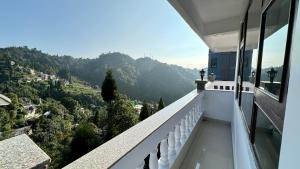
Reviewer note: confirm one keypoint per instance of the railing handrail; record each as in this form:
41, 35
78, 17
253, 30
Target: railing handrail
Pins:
133, 145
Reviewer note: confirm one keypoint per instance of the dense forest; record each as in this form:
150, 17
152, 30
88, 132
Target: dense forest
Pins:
142, 79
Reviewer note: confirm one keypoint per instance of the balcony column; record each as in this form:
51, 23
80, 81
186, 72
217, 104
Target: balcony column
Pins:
182, 132
141, 165
187, 132
153, 162
194, 116
177, 138
163, 161
171, 148
191, 122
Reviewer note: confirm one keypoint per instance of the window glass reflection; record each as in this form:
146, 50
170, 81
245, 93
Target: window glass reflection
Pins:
267, 142
250, 59
276, 28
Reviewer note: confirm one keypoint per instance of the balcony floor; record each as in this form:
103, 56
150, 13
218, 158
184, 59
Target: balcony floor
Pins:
211, 147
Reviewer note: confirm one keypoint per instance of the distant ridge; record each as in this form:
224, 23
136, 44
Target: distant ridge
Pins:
143, 78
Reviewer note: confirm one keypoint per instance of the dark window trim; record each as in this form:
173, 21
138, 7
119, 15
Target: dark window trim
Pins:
284, 80
273, 108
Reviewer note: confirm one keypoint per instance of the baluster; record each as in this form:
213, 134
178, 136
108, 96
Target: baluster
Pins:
171, 148
196, 116
187, 132
153, 162
177, 138
182, 132
141, 165
163, 161
190, 122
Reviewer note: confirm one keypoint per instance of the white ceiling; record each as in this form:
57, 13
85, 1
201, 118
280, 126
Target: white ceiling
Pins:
217, 22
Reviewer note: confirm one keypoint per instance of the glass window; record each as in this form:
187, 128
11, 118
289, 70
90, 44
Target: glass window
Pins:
250, 60
275, 36
213, 62
267, 142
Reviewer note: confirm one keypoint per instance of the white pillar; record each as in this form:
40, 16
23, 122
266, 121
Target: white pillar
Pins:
177, 138
171, 148
191, 122
163, 161
194, 116
141, 165
182, 132
153, 162
187, 132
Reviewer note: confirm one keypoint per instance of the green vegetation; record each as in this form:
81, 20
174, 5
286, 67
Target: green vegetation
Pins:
109, 87
161, 104
145, 112
58, 99
70, 118
141, 79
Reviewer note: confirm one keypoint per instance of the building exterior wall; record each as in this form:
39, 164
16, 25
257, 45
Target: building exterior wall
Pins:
222, 64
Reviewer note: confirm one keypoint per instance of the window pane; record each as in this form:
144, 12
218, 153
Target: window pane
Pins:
276, 28
250, 59
267, 142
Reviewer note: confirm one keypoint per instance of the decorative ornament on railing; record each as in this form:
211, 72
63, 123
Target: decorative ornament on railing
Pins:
202, 72
252, 77
212, 77
272, 74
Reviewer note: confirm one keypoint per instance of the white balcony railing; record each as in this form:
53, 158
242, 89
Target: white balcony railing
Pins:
171, 127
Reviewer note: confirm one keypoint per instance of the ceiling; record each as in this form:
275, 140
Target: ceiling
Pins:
217, 22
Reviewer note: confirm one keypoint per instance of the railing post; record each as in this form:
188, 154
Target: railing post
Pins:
141, 165
187, 132
163, 161
177, 138
182, 132
153, 162
171, 148
194, 116
191, 122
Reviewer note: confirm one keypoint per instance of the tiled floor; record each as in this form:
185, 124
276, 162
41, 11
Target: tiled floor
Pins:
212, 147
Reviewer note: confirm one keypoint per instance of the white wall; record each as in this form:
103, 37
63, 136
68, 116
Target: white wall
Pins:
218, 104
242, 153
290, 147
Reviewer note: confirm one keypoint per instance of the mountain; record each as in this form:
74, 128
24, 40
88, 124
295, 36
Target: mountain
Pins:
143, 78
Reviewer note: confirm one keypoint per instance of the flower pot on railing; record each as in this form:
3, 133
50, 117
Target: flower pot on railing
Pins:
212, 77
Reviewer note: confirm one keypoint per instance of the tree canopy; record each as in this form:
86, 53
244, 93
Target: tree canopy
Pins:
145, 112
161, 104
109, 87
121, 116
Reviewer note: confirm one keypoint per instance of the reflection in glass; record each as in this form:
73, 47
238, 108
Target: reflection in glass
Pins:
276, 28
250, 60
267, 142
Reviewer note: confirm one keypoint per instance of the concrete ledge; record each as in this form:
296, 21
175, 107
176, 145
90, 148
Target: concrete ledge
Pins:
21, 152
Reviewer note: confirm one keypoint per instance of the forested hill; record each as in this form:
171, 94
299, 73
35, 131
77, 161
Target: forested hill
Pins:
143, 79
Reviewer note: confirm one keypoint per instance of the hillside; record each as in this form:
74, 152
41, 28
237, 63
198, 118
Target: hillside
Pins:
143, 78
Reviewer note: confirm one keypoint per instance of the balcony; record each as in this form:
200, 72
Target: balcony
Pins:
195, 131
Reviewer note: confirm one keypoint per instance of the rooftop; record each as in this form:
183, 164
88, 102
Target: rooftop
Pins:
21, 152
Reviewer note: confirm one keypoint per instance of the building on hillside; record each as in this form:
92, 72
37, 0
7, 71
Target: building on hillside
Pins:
4, 101
222, 64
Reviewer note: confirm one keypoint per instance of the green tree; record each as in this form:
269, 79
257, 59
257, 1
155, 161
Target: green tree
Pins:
161, 104
85, 139
121, 116
65, 74
109, 87
53, 133
100, 118
145, 113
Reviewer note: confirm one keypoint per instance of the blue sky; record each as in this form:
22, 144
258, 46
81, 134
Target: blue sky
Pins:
87, 28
